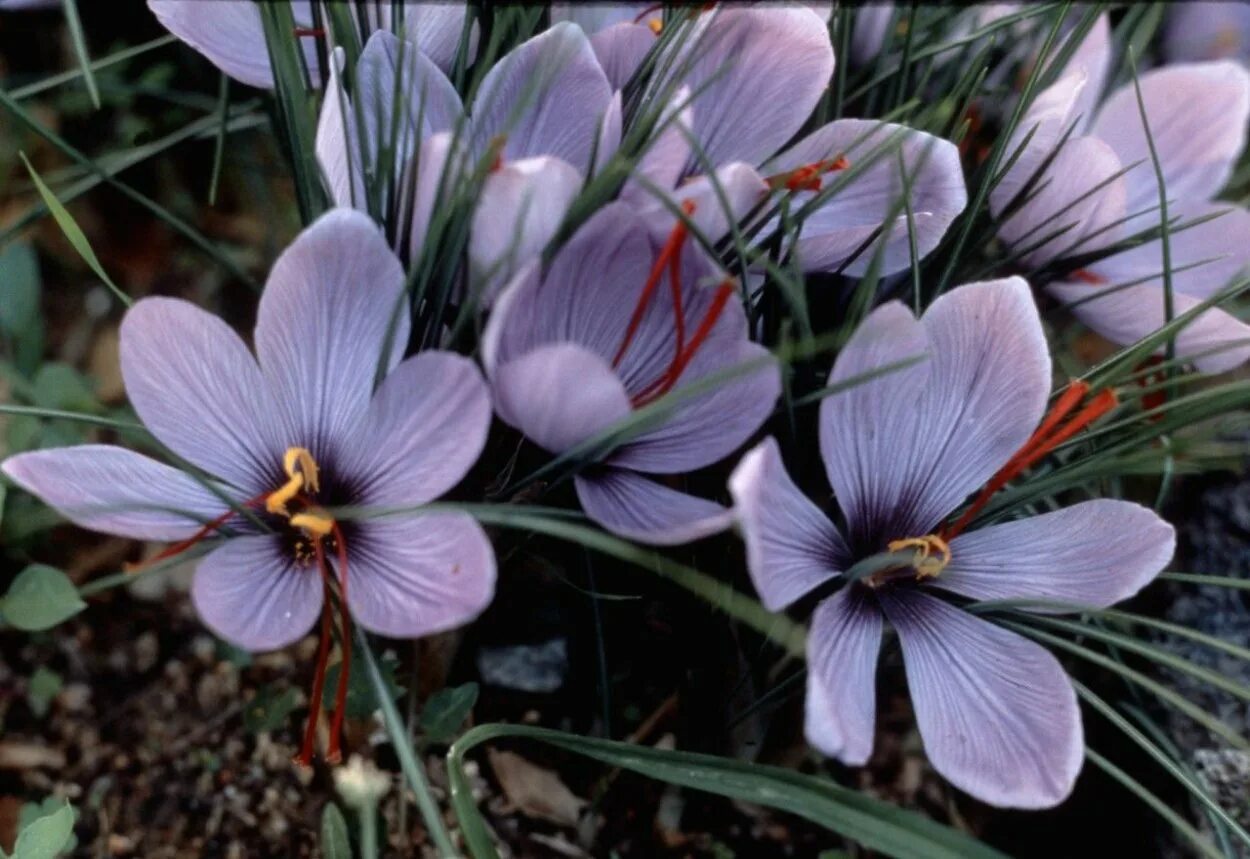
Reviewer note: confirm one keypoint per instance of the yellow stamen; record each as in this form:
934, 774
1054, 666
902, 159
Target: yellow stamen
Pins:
314, 522
656, 25
301, 468
931, 557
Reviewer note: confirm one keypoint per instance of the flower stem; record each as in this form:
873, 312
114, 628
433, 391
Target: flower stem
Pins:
414, 772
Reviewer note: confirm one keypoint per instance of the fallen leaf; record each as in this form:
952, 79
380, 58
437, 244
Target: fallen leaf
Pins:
534, 791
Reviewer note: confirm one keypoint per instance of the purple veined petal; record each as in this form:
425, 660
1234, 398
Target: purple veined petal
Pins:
229, 33
835, 232
1215, 341
1205, 256
609, 134
791, 546
115, 491
198, 389
743, 190
1197, 31
417, 575
842, 651
586, 296
665, 160
424, 429
596, 17
868, 34
997, 713
1095, 553
756, 74
548, 96
903, 450
1213, 97
710, 425
338, 141
865, 429
394, 74
1093, 59
637, 508
559, 395
621, 49
329, 306
1076, 205
249, 592
436, 28
433, 170
27, 5
520, 207
1040, 131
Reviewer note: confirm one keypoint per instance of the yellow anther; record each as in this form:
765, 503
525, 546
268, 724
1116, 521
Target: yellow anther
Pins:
315, 522
931, 556
301, 468
656, 25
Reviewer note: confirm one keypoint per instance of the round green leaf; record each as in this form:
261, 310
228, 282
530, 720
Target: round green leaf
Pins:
40, 598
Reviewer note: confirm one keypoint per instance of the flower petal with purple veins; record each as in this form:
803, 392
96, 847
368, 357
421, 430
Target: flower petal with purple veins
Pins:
116, 491
423, 430
958, 416
792, 547
1213, 97
621, 49
391, 75
1092, 58
436, 28
253, 595
338, 141
1075, 206
1197, 31
837, 230
637, 508
330, 307
997, 713
842, 651
548, 96
668, 154
596, 17
756, 74
198, 389
1215, 341
1095, 553
418, 575
720, 201
559, 395
520, 207
228, 32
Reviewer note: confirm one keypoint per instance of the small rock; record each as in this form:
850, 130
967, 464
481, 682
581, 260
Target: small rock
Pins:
526, 667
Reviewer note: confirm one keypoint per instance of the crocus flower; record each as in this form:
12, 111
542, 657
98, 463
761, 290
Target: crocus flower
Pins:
231, 35
997, 714
1198, 31
544, 114
752, 77
1085, 180
611, 326
284, 437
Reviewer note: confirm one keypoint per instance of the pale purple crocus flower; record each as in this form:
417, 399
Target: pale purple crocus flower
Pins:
576, 348
544, 115
750, 77
902, 452
286, 435
1197, 31
1085, 180
231, 35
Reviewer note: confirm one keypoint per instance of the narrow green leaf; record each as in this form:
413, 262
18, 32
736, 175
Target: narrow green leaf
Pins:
73, 232
40, 598
80, 48
874, 824
446, 711
19, 288
47, 836
362, 700
334, 843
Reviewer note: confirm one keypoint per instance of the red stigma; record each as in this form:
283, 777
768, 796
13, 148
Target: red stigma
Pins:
205, 532
662, 385
314, 32
670, 253
1045, 438
655, 7
1084, 275
808, 177
334, 752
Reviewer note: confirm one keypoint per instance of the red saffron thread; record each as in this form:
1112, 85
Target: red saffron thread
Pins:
671, 247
